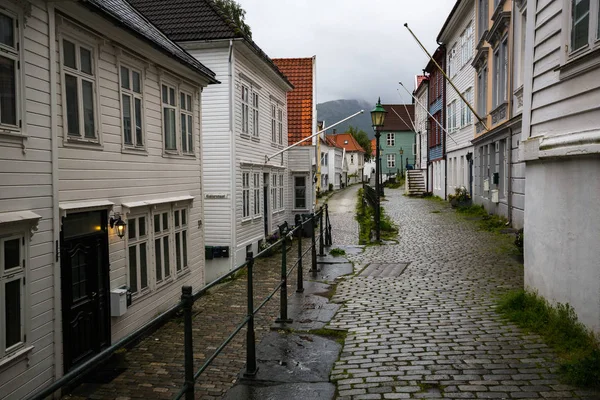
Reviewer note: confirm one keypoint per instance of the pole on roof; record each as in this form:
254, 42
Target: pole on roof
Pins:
267, 158
448, 79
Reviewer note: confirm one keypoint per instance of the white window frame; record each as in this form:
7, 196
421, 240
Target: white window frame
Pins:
500, 77
256, 194
181, 224
391, 160
80, 42
161, 235
170, 104
304, 178
466, 44
281, 193
133, 96
245, 109
137, 241
273, 123
255, 115
11, 275
280, 125
274, 207
16, 54
187, 111
466, 117
593, 30
390, 139
246, 206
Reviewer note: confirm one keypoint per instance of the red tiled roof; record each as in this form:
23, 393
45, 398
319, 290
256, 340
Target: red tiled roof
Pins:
347, 141
373, 146
299, 71
420, 80
329, 141
401, 119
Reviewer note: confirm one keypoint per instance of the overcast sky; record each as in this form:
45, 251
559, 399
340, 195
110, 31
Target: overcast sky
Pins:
362, 46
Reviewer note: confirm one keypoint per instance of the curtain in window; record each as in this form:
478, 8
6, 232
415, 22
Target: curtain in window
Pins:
8, 99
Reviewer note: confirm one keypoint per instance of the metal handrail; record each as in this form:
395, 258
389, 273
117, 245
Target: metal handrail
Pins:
88, 365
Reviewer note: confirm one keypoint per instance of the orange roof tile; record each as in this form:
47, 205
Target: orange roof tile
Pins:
299, 71
347, 141
373, 146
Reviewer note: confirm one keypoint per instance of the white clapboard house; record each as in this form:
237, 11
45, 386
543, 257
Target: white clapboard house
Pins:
99, 126
245, 198
560, 144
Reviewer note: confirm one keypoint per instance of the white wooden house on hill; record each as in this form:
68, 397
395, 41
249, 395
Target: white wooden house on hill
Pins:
99, 126
244, 120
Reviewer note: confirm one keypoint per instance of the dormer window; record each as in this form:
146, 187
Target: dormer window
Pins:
345, 142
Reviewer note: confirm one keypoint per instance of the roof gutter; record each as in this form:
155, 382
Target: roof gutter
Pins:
448, 20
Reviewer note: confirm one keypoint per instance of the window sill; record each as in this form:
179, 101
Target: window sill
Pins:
15, 357
256, 139
245, 136
177, 155
246, 220
579, 62
278, 211
83, 143
134, 150
276, 145
257, 217
12, 134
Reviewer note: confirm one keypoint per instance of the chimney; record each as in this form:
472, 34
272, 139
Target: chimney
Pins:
334, 131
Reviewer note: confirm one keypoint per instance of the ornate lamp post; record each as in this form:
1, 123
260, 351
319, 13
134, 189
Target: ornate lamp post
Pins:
377, 119
402, 162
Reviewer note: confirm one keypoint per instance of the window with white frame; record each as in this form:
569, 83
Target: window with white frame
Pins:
273, 123
162, 248
466, 44
245, 109
299, 192
584, 24
482, 92
12, 293
9, 71
79, 94
180, 227
465, 113
391, 139
274, 192
169, 106
281, 203
256, 189
500, 73
186, 118
245, 194
279, 125
255, 119
451, 116
451, 70
132, 106
137, 250
391, 161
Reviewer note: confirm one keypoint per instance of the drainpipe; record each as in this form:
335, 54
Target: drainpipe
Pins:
233, 153
509, 176
58, 342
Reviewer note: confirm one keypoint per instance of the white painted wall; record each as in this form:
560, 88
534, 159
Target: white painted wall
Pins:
356, 163
562, 227
561, 146
421, 126
26, 185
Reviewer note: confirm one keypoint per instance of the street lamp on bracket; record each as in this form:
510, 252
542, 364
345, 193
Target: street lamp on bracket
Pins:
377, 120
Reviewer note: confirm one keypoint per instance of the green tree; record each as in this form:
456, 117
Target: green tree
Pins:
363, 139
234, 10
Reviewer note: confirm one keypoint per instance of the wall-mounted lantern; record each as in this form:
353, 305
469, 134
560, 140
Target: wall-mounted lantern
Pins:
118, 224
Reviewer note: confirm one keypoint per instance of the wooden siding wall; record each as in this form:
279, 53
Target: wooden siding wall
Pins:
578, 109
26, 185
253, 150
106, 172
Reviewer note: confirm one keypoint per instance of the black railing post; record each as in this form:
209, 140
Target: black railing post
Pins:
328, 238
321, 244
300, 283
251, 367
313, 250
283, 317
188, 302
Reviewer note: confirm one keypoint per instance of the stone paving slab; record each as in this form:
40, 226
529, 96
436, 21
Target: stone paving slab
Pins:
384, 270
432, 332
288, 391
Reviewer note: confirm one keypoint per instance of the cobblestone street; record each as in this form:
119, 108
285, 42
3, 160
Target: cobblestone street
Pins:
432, 331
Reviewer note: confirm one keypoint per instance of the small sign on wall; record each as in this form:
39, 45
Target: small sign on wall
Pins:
216, 196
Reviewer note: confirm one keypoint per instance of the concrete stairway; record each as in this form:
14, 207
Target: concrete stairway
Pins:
416, 182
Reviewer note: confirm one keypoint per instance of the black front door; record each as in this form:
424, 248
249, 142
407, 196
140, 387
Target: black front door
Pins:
84, 278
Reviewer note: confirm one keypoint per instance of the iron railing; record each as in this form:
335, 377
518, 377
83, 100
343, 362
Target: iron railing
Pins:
369, 194
188, 298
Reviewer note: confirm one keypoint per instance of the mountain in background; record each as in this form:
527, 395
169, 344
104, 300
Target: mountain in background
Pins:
336, 110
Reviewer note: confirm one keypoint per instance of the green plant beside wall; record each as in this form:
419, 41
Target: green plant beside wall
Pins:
365, 215
577, 347
337, 252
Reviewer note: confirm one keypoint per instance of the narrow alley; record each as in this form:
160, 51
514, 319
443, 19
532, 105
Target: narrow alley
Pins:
428, 329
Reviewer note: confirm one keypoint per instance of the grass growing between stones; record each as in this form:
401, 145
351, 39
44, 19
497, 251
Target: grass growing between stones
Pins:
578, 348
365, 216
487, 222
334, 334
337, 252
